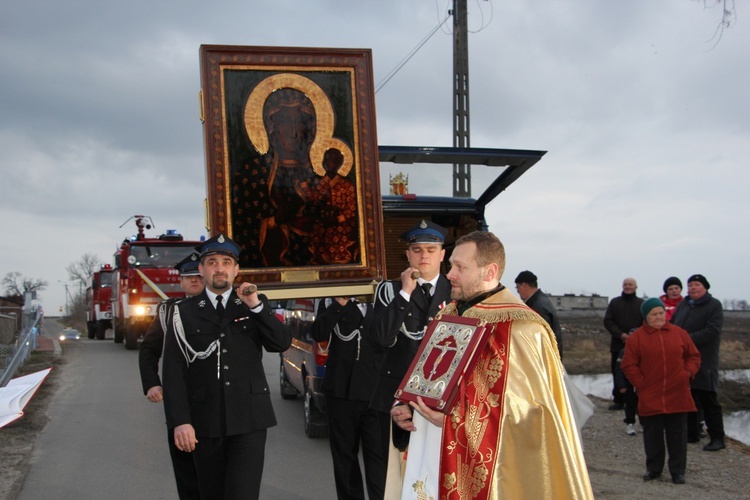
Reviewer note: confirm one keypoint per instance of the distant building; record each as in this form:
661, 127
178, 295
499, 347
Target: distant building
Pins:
13, 306
570, 301
11, 316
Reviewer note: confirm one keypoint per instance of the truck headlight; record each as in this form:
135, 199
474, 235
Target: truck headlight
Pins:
140, 310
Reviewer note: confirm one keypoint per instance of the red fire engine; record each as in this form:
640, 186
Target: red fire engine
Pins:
98, 302
144, 275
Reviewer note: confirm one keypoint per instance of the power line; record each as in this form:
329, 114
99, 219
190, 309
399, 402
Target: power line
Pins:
411, 54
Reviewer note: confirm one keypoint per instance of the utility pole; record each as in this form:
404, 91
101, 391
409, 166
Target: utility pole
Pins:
68, 298
461, 172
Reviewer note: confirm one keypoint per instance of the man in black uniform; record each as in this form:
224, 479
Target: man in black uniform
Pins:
403, 309
216, 395
148, 362
351, 373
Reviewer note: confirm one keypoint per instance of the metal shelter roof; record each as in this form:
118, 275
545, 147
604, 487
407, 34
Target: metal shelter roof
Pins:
516, 161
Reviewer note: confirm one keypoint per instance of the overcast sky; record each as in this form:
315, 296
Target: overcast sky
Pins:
645, 120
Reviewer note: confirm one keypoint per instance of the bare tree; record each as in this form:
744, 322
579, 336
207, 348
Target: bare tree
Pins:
728, 17
16, 283
81, 270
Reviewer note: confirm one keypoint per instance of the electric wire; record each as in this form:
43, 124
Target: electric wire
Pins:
411, 54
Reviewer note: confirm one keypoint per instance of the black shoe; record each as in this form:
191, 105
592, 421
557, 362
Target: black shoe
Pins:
678, 478
616, 407
714, 445
651, 475
693, 439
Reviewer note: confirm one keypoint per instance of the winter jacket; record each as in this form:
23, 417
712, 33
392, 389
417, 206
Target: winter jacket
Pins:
540, 303
703, 319
622, 316
660, 364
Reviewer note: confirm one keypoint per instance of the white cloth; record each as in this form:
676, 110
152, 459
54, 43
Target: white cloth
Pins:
422, 460
581, 405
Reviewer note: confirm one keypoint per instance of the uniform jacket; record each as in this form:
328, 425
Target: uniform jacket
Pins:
540, 303
226, 393
152, 346
660, 364
353, 365
623, 315
703, 319
391, 312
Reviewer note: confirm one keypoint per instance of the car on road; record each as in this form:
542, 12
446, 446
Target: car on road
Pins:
69, 334
302, 366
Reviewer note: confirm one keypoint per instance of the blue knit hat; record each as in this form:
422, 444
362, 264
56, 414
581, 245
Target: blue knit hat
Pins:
650, 304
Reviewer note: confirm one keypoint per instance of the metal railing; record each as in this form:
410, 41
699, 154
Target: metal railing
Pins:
26, 343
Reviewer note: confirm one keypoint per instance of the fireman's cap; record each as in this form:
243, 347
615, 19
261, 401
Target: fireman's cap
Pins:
425, 232
219, 244
189, 265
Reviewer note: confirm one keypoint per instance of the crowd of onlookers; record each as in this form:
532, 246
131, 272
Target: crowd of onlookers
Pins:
665, 363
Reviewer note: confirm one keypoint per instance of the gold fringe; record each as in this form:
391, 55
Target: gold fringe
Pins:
495, 314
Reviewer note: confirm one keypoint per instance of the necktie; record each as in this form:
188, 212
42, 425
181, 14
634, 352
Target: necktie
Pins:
220, 306
427, 287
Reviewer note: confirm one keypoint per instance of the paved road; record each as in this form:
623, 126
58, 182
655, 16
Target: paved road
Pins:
106, 441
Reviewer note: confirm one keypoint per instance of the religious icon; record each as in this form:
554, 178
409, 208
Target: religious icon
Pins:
291, 161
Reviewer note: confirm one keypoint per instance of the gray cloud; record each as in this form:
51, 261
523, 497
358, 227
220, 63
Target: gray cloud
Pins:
645, 124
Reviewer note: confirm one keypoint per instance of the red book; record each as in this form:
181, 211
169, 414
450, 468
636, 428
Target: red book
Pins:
449, 350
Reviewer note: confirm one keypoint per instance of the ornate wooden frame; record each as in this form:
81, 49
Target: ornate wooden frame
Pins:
242, 167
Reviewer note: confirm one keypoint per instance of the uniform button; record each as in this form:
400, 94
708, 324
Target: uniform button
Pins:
223, 351
222, 335
226, 367
226, 383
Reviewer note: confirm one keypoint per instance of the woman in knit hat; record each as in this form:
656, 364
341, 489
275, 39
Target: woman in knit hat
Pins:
672, 295
660, 360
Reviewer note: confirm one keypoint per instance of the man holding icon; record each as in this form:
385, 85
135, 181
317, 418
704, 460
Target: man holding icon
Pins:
216, 395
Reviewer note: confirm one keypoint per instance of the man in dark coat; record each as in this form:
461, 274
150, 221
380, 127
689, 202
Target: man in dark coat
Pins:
148, 362
702, 317
622, 317
351, 373
216, 394
527, 286
403, 309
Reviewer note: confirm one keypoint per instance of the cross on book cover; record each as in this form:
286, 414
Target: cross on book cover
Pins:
447, 353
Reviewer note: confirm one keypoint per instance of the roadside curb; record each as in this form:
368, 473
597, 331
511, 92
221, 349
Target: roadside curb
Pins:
48, 344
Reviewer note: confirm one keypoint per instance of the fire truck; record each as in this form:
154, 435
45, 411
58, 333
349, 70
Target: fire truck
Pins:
98, 302
143, 276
